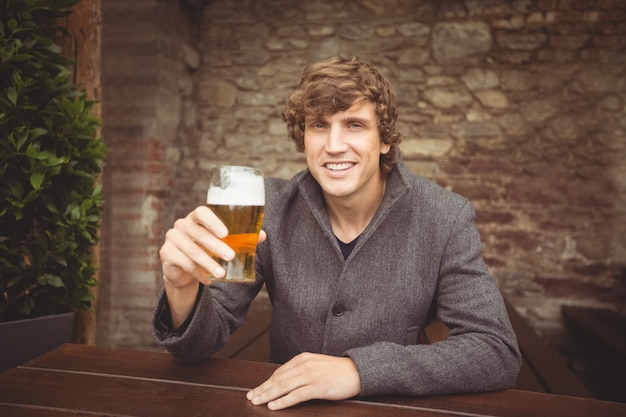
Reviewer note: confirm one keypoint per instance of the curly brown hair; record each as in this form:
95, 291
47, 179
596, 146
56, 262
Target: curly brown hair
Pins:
335, 85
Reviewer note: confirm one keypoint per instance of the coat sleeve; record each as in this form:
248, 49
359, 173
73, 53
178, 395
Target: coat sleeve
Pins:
481, 351
220, 309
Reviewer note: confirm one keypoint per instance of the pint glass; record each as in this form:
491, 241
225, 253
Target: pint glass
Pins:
236, 195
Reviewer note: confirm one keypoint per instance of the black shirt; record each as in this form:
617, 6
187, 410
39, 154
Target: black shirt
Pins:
346, 248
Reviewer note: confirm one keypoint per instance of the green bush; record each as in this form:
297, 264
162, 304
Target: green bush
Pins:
50, 163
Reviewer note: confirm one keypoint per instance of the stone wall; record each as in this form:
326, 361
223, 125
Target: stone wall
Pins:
518, 105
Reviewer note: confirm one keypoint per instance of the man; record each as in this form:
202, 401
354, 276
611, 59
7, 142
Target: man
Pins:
356, 253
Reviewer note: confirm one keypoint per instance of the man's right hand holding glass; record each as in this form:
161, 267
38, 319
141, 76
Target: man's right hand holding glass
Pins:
185, 262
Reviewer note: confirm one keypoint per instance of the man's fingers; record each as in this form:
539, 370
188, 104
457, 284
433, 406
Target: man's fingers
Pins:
189, 245
297, 396
275, 387
180, 252
197, 236
206, 217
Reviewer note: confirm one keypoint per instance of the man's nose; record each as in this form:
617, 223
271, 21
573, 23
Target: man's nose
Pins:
336, 140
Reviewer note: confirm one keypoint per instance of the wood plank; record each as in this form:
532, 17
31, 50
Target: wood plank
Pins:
528, 380
515, 403
257, 350
21, 410
155, 365
549, 367
601, 325
253, 334
114, 395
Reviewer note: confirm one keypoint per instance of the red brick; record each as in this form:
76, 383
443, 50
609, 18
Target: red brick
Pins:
491, 216
569, 42
494, 165
610, 4
574, 4
576, 289
610, 41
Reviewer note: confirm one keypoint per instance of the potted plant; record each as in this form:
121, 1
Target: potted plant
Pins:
50, 162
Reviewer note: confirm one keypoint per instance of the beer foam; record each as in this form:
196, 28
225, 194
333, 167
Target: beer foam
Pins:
242, 190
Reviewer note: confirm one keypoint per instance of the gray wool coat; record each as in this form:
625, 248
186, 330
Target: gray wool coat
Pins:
420, 253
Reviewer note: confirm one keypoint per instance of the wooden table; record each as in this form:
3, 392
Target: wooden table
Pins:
81, 380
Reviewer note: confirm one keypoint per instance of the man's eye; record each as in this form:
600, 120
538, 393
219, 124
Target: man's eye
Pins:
317, 125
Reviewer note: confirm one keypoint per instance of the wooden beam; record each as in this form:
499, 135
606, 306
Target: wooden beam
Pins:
83, 46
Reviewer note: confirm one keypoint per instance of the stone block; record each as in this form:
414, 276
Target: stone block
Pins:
494, 99
454, 42
480, 79
448, 97
426, 147
521, 41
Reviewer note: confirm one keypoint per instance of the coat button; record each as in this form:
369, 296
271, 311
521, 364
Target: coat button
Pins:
339, 309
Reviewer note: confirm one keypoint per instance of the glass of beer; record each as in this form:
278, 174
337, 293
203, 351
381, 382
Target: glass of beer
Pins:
236, 195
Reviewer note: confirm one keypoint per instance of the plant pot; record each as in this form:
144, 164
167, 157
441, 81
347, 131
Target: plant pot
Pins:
23, 340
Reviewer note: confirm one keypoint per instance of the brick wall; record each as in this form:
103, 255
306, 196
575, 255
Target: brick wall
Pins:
518, 105
142, 79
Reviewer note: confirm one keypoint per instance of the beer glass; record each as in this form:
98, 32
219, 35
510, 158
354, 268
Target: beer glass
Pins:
236, 195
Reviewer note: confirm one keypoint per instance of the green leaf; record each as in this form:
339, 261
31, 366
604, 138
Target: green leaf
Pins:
86, 205
61, 261
17, 204
17, 190
21, 57
55, 49
36, 132
75, 213
21, 141
33, 151
17, 80
86, 297
31, 196
12, 25
12, 95
53, 280
36, 179
52, 208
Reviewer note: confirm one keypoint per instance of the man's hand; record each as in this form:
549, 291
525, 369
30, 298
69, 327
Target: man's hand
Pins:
306, 377
186, 262
184, 254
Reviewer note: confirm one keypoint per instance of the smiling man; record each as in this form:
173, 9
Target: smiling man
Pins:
357, 253
343, 155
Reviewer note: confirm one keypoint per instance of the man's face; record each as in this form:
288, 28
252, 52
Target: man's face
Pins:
343, 151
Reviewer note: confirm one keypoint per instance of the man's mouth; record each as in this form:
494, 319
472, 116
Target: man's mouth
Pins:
339, 166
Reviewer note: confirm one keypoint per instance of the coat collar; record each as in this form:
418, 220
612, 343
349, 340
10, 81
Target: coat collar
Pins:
397, 186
